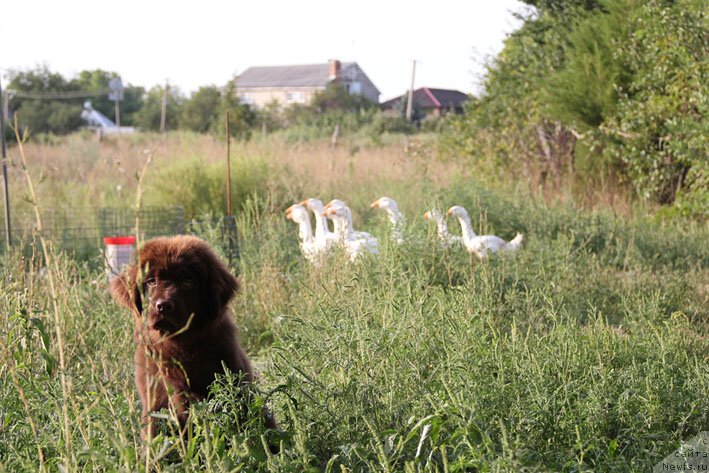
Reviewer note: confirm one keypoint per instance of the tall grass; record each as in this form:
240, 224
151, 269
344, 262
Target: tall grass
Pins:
587, 350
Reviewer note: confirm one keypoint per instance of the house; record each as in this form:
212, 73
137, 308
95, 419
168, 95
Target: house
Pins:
432, 102
259, 86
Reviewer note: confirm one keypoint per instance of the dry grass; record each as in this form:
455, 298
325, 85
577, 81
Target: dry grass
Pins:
79, 169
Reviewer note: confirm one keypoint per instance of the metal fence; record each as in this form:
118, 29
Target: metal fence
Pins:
80, 231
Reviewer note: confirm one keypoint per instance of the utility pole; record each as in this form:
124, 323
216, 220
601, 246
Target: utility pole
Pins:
409, 103
118, 115
228, 167
3, 99
163, 110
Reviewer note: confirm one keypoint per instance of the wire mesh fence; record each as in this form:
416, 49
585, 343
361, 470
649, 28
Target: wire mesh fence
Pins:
80, 231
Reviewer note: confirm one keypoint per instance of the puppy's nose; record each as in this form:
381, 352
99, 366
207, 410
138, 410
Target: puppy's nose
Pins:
164, 306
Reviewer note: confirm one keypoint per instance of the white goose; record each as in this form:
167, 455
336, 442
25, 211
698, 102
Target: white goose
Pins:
338, 225
481, 245
355, 243
324, 238
396, 218
299, 215
447, 240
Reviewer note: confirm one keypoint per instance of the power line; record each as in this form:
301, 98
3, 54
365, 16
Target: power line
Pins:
78, 94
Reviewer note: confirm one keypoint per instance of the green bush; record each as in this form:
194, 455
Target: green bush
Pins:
201, 187
614, 89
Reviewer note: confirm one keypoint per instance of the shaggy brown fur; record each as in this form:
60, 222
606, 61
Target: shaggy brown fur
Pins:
178, 292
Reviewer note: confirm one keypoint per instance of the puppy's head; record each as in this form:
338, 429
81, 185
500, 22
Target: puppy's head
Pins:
175, 278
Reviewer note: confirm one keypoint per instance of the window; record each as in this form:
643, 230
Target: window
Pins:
355, 88
295, 97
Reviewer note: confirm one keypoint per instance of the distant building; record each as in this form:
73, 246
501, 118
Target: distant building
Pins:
259, 86
433, 102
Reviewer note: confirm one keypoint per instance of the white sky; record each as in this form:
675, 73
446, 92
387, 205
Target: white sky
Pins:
207, 42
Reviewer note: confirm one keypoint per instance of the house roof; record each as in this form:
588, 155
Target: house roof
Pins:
427, 97
309, 75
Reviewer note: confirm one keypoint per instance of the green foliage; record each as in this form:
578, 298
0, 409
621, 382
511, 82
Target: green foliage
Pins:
97, 80
43, 116
628, 77
200, 110
149, 115
584, 93
61, 116
329, 108
586, 350
661, 119
201, 187
336, 97
242, 118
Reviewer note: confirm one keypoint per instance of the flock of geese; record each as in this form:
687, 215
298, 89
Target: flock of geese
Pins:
318, 244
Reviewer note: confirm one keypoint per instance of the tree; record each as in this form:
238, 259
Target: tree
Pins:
242, 118
35, 110
335, 97
200, 111
628, 77
149, 115
97, 80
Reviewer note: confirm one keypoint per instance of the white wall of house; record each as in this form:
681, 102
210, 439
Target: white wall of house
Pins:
259, 97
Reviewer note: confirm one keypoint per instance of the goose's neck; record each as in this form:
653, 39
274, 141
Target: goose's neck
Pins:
395, 217
343, 228
338, 227
320, 226
305, 231
397, 225
466, 228
442, 228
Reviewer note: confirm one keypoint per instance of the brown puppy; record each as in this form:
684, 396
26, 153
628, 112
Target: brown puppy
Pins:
178, 292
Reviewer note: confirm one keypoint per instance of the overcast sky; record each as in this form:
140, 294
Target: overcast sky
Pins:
206, 42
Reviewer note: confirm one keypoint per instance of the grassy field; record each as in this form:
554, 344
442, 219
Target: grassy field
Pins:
588, 350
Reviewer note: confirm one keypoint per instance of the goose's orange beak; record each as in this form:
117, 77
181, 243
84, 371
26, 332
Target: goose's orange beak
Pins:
328, 211
304, 203
450, 212
374, 205
427, 215
289, 213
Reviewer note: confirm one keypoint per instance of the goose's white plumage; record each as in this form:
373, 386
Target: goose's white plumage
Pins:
339, 225
482, 245
396, 218
447, 240
299, 214
355, 243
324, 238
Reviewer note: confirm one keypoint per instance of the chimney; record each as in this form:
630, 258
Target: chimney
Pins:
335, 67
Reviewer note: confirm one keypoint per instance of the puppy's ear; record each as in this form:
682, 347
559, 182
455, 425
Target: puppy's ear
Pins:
125, 289
223, 285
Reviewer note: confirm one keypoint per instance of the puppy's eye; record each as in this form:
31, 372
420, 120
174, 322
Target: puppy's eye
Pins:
150, 281
187, 283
